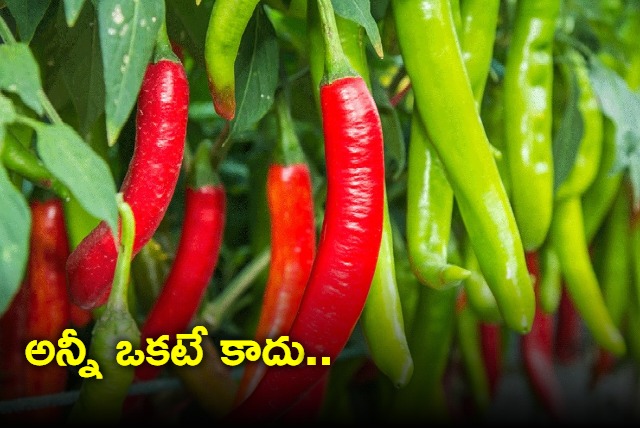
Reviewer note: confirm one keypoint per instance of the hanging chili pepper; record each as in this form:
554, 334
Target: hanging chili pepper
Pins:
429, 209
227, 23
100, 400
195, 259
537, 355
150, 180
308, 409
550, 284
450, 115
569, 330
477, 291
527, 117
612, 263
491, 346
350, 241
293, 240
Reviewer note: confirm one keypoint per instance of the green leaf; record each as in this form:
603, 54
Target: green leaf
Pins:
72, 10
7, 115
187, 24
394, 146
566, 141
78, 167
28, 15
83, 74
622, 105
15, 226
359, 11
19, 74
128, 32
256, 76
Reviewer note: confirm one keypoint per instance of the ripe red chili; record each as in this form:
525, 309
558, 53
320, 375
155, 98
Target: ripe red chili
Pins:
569, 330
192, 269
293, 246
148, 185
40, 310
491, 344
537, 354
350, 239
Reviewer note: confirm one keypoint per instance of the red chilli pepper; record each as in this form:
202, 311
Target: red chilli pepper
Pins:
569, 331
491, 345
537, 354
293, 240
194, 264
350, 240
148, 185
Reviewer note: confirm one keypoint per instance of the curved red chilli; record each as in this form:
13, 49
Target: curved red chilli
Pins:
491, 342
192, 269
48, 303
347, 252
293, 246
148, 186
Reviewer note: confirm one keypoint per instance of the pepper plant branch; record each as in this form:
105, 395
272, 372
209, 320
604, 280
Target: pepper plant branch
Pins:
5, 32
215, 312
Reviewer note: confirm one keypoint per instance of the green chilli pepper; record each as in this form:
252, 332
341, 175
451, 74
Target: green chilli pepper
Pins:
448, 108
477, 291
613, 258
527, 117
382, 317
429, 209
587, 161
568, 239
477, 36
550, 284
101, 400
227, 23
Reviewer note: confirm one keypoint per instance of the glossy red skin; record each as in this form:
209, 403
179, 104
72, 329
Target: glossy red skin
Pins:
13, 341
347, 252
192, 269
491, 345
161, 124
568, 331
293, 246
537, 352
48, 312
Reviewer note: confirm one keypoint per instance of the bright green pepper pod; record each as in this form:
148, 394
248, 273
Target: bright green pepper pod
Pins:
614, 257
447, 106
527, 117
382, 318
568, 239
429, 209
479, 20
478, 294
227, 23
101, 399
550, 285
587, 161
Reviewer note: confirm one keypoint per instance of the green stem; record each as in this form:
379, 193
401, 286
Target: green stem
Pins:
336, 63
119, 292
163, 49
50, 111
221, 146
215, 311
5, 32
287, 150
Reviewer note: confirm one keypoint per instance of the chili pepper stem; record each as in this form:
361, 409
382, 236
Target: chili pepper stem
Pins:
336, 63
